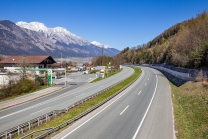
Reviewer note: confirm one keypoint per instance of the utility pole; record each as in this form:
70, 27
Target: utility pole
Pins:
102, 55
61, 60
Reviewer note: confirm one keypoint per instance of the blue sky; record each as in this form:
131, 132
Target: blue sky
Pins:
117, 23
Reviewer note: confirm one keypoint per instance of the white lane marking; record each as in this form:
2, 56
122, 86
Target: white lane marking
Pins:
102, 109
148, 78
146, 110
47, 101
124, 110
80, 95
39, 111
139, 92
18, 112
145, 84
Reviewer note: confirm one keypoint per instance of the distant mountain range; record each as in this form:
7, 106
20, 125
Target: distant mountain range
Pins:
36, 39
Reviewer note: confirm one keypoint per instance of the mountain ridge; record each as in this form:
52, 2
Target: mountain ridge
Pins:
16, 40
185, 45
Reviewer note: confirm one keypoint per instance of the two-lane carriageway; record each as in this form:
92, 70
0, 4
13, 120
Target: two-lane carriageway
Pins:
142, 111
17, 115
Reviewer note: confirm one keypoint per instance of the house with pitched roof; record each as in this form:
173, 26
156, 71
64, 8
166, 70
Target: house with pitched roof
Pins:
11, 63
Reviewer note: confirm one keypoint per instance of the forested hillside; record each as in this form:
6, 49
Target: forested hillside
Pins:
184, 45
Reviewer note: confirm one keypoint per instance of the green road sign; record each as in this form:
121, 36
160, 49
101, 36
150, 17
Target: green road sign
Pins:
50, 76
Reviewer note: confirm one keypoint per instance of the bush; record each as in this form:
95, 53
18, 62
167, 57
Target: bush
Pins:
40, 80
27, 86
199, 77
20, 87
93, 71
42, 72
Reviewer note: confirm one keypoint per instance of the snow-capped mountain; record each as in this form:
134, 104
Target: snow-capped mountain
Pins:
100, 45
55, 34
36, 39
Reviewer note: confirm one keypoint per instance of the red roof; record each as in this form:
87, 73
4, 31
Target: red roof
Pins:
31, 59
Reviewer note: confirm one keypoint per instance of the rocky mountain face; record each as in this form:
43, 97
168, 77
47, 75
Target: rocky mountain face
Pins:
36, 39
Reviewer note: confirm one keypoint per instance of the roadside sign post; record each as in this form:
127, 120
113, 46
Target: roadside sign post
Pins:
65, 77
50, 76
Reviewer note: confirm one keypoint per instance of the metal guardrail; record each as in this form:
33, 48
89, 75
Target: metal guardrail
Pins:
182, 73
20, 129
80, 115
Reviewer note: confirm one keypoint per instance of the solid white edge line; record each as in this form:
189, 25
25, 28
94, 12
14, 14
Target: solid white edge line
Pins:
174, 136
124, 110
101, 110
146, 110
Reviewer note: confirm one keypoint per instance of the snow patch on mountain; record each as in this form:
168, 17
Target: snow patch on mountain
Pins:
57, 34
100, 45
35, 26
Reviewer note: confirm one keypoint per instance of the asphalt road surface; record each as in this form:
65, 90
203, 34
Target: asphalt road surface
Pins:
78, 89
143, 111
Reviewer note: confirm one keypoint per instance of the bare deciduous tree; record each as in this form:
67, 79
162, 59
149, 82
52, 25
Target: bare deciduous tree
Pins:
1, 58
117, 61
24, 65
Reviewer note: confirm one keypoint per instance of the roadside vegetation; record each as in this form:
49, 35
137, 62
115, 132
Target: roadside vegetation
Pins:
21, 83
182, 45
86, 105
21, 87
190, 102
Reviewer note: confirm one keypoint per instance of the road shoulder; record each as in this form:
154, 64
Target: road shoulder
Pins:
159, 120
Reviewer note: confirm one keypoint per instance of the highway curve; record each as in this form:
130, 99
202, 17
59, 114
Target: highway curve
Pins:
143, 111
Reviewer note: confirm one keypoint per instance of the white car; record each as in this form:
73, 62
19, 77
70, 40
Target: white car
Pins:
86, 72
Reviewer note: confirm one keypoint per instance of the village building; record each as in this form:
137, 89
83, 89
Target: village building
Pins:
12, 62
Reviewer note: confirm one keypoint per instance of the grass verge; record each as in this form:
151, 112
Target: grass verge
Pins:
86, 105
108, 75
190, 102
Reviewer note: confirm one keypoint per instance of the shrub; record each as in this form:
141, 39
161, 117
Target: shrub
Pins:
26, 85
41, 72
93, 71
40, 80
20, 87
199, 77
205, 83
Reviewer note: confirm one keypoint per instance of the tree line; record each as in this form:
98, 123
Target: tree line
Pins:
183, 45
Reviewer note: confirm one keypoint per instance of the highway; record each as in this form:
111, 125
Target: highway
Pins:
78, 89
142, 111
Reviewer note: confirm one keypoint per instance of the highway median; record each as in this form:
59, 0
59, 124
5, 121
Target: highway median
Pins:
63, 118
